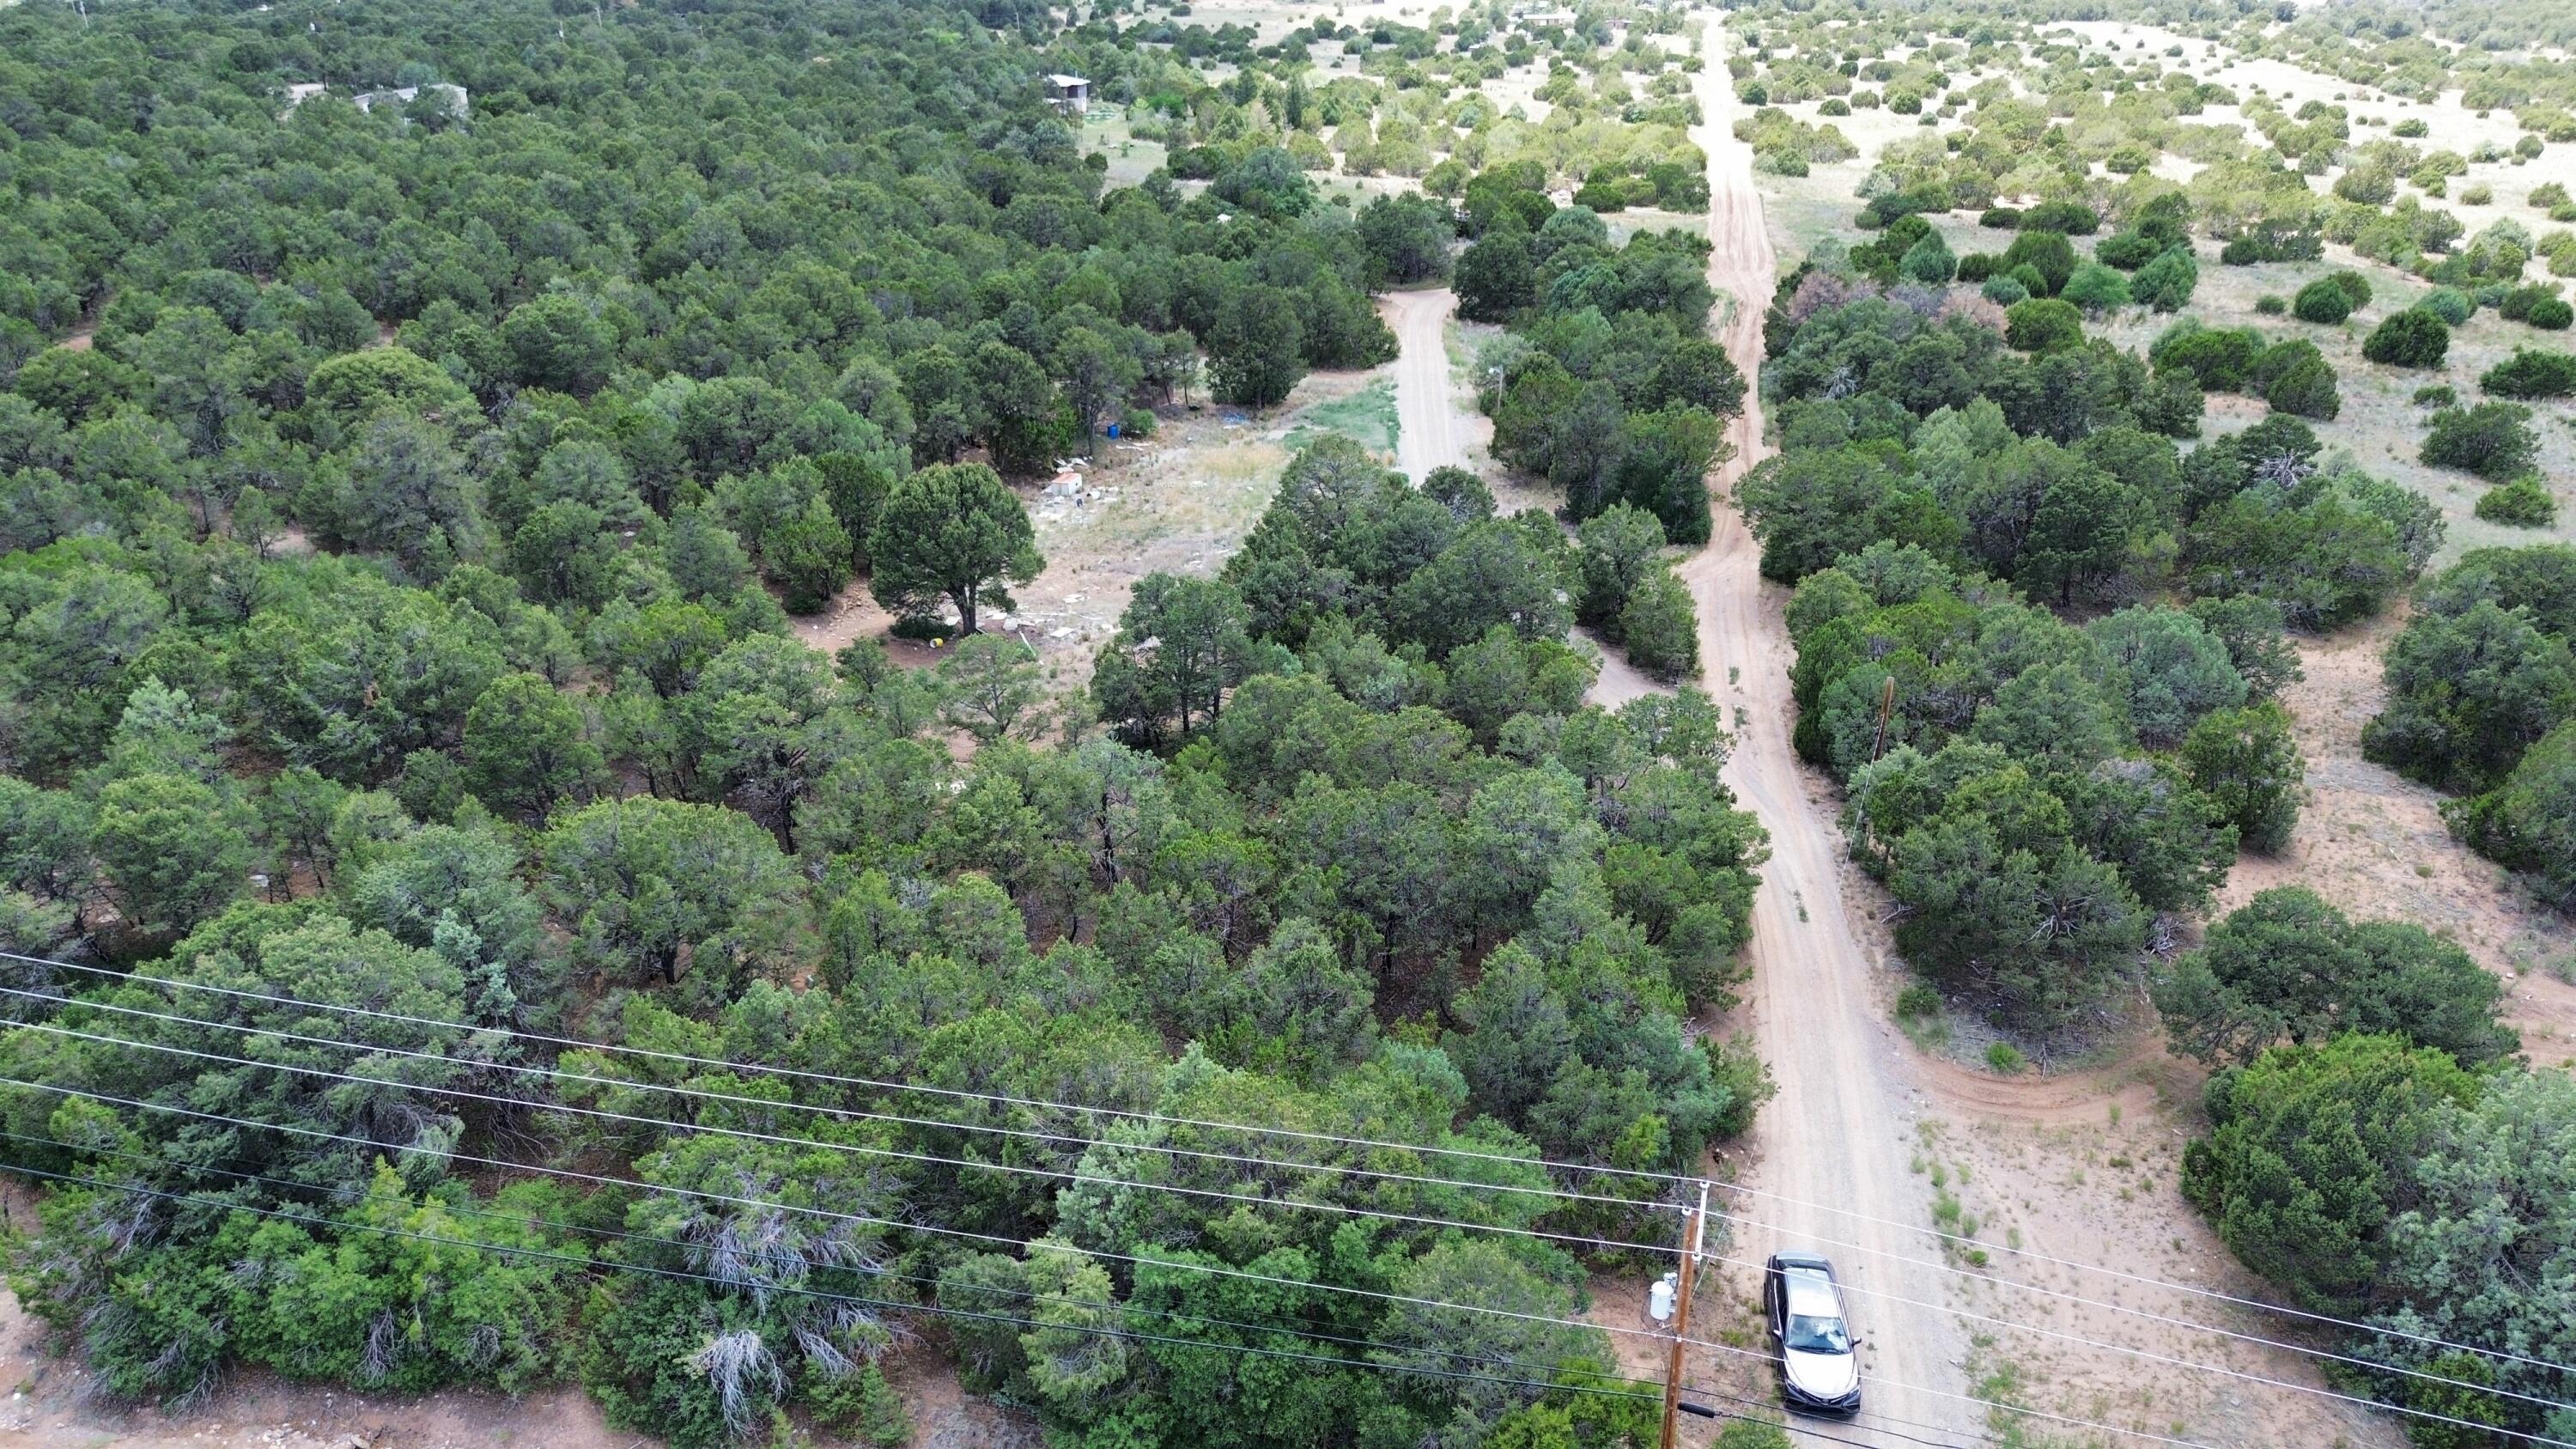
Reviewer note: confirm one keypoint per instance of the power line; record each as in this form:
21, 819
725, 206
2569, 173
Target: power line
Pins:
1675, 1179
1571, 1194
1120, 1306
863, 1219
877, 1303
995, 1239
2190, 1364
864, 1114
1988, 1404
1165, 1187
2147, 1314
1232, 1159
772, 1257
1003, 1241
668, 1124
2141, 1279
1793, 1427
1120, 1182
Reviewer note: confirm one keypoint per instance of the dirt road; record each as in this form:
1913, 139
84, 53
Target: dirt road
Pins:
1433, 434
1837, 1133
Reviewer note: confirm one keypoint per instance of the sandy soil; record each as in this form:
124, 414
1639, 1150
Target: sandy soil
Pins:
1835, 1133
1619, 681
2449, 125
2375, 845
1179, 502
2089, 1176
1849, 1152
1438, 427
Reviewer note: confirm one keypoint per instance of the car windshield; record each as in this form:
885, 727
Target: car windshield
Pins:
1818, 1335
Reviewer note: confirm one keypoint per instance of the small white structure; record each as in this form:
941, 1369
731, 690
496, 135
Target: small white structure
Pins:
454, 95
1070, 94
457, 100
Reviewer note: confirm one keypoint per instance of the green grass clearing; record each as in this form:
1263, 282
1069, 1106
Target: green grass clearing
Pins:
1366, 417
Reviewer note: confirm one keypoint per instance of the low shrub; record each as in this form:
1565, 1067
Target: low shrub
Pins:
2453, 306
2306, 390
2321, 301
2493, 440
2530, 373
2073, 218
2412, 338
2218, 358
2515, 304
2522, 503
2004, 291
2043, 324
2166, 283
2047, 253
2128, 250
2273, 241
2096, 288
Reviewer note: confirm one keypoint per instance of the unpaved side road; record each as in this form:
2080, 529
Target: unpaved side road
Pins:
1836, 1137
1430, 434
1438, 427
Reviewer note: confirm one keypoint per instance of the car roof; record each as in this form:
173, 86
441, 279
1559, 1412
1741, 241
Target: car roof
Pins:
1811, 1288
1803, 1260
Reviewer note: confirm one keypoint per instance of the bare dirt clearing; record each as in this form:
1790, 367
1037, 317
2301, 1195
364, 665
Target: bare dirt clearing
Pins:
1179, 502
2096, 1183
2374, 844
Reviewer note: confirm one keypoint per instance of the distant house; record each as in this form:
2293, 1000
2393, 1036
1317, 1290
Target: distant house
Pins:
457, 99
1070, 94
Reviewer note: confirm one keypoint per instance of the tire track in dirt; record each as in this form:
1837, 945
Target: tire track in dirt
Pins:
1430, 432
1837, 1134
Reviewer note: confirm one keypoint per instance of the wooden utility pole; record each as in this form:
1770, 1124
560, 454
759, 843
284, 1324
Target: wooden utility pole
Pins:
1692, 1227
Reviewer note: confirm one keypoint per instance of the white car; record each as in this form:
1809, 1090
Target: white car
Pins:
1819, 1358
